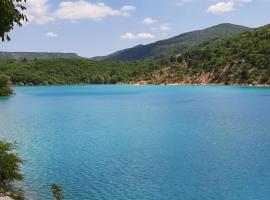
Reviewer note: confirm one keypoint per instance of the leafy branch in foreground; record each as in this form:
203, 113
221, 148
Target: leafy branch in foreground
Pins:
9, 165
57, 192
11, 14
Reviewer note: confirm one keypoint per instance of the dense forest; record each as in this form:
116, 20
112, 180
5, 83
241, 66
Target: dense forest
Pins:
70, 71
237, 59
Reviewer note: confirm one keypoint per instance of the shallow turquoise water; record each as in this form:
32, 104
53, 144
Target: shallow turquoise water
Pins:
142, 142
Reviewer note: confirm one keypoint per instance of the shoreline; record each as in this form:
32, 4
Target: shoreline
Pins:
147, 84
202, 85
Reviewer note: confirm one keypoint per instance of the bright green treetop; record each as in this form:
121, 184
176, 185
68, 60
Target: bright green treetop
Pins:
5, 86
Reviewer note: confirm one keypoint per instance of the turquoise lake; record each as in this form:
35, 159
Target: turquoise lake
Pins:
141, 142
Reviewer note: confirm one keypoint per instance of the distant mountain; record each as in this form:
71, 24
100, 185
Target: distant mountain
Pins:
176, 44
35, 55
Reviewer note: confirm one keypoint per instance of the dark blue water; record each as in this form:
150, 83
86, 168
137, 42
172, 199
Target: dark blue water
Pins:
142, 142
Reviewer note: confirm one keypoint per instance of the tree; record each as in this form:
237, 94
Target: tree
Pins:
9, 165
57, 192
5, 86
11, 14
97, 79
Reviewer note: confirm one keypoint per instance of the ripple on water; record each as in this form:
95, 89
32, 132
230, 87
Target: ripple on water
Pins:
126, 142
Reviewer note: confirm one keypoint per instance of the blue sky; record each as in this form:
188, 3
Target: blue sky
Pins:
92, 28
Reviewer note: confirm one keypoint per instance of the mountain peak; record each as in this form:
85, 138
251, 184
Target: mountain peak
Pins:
175, 45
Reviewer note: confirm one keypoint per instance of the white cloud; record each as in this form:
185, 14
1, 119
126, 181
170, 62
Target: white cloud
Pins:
38, 11
127, 9
164, 27
132, 36
38, 7
226, 6
51, 34
86, 10
149, 21
145, 36
244, 1
182, 2
221, 7
128, 36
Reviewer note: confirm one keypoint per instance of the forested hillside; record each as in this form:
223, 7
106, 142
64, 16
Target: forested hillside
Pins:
240, 59
176, 44
69, 71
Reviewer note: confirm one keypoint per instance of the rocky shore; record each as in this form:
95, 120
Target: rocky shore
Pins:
5, 198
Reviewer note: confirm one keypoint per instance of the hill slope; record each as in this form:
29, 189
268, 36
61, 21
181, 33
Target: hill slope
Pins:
238, 59
176, 44
35, 55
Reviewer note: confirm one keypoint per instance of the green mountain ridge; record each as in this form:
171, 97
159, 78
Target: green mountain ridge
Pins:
35, 55
239, 59
176, 44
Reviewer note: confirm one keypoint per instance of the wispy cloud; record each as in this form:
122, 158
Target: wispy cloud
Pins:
149, 21
226, 6
164, 27
127, 9
51, 34
38, 11
182, 2
132, 36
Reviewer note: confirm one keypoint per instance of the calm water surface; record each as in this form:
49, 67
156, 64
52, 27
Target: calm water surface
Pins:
142, 143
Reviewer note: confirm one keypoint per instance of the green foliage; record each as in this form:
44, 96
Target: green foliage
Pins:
5, 86
9, 165
11, 14
97, 79
240, 59
57, 192
70, 71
